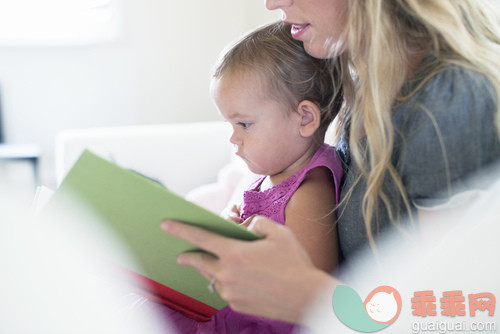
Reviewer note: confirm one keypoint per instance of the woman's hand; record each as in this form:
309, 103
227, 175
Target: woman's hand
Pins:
272, 277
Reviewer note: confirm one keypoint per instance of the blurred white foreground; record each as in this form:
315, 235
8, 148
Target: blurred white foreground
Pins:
462, 257
51, 280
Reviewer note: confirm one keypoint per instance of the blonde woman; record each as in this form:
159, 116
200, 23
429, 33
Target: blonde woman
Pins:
420, 117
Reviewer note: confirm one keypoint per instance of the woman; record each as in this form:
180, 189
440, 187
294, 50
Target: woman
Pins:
420, 118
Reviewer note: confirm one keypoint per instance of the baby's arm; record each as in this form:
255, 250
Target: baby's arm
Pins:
311, 217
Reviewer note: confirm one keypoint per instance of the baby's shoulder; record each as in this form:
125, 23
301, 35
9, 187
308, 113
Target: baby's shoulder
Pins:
318, 184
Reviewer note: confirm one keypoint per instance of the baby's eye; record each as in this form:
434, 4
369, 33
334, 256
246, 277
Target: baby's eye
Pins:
244, 125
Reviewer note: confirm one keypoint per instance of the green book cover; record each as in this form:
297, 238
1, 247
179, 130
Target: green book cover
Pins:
132, 207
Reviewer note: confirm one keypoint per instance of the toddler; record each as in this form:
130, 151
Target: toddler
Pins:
280, 101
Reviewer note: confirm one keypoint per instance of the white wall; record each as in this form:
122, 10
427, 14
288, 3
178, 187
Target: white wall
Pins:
157, 71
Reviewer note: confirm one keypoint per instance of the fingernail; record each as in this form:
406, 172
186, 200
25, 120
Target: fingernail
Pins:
180, 260
165, 226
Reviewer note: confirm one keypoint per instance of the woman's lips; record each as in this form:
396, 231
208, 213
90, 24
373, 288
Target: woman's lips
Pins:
298, 30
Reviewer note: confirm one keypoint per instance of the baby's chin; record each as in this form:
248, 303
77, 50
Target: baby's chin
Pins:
258, 170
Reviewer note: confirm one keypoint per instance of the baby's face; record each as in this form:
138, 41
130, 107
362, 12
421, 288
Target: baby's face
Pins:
382, 307
265, 132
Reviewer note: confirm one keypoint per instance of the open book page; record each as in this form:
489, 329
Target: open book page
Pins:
132, 208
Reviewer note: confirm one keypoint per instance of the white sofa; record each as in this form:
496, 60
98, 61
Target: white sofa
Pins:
194, 160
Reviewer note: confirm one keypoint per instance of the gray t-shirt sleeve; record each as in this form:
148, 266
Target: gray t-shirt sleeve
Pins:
450, 133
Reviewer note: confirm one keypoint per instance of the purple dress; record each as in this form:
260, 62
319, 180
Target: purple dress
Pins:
270, 203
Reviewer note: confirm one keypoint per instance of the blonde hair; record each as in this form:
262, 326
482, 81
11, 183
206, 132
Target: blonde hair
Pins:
382, 36
290, 75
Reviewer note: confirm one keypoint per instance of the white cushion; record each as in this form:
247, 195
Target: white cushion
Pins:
182, 156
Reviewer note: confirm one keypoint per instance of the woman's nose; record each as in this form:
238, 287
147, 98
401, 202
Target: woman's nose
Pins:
277, 4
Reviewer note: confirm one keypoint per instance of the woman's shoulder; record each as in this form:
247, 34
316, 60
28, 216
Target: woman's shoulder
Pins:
439, 84
458, 82
447, 93
446, 131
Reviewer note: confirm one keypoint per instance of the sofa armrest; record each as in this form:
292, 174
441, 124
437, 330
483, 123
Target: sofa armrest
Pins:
181, 156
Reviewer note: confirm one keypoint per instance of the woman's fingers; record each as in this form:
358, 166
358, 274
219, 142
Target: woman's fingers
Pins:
262, 225
204, 263
266, 277
197, 236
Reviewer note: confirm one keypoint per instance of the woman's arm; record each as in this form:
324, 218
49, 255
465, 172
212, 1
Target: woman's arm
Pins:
272, 277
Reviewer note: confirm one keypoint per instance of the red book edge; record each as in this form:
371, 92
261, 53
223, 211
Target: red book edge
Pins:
176, 300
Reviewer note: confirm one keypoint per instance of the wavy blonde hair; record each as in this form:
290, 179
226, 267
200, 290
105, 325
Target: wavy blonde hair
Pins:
382, 37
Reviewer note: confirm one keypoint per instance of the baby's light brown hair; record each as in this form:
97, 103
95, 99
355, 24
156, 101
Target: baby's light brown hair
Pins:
289, 74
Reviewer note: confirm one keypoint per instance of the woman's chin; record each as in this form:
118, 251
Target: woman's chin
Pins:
323, 50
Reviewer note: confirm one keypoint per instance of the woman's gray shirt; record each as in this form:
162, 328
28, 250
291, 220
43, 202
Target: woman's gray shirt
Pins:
444, 134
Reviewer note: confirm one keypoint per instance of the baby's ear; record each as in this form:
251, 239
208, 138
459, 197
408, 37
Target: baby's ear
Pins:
310, 115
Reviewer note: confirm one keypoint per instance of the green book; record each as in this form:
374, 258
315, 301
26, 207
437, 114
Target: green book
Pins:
132, 207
